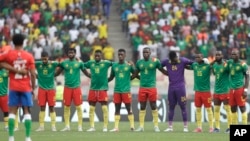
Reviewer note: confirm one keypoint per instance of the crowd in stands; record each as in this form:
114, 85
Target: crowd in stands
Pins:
187, 26
56, 25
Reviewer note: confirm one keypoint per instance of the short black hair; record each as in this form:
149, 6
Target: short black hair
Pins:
98, 51
18, 39
72, 49
44, 54
172, 55
122, 50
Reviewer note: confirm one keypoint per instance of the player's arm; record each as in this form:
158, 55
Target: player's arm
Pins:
86, 73
246, 75
111, 75
164, 71
12, 69
135, 75
33, 78
58, 71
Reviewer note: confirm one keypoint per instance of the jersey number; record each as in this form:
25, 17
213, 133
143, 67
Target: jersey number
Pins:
19, 67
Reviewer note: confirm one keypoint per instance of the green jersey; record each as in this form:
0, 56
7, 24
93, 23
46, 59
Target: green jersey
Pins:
46, 74
221, 72
72, 77
201, 77
122, 73
4, 80
99, 74
147, 71
237, 73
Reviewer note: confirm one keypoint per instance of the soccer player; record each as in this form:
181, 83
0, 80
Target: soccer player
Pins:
122, 71
202, 91
20, 86
4, 80
147, 68
239, 81
72, 90
98, 88
46, 91
176, 90
221, 90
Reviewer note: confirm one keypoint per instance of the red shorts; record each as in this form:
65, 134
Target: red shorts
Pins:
122, 97
70, 94
46, 96
97, 95
221, 97
147, 93
203, 98
4, 103
236, 98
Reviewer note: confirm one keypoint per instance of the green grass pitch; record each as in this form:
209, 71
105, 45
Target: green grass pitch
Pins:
123, 135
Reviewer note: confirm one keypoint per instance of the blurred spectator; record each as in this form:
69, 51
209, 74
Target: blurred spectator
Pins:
108, 52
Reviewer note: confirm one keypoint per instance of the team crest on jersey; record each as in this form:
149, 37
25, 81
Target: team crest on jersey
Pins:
204, 67
66, 65
141, 66
76, 65
5, 74
116, 69
40, 66
238, 68
221, 70
151, 65
102, 65
92, 65
49, 65
126, 68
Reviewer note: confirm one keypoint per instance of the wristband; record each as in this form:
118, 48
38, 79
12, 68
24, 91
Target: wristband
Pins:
245, 90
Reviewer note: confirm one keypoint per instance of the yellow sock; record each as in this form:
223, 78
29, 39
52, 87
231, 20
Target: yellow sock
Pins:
41, 118
155, 117
198, 117
210, 117
92, 116
235, 118
117, 119
142, 114
217, 116
53, 119
5, 120
79, 115
16, 120
66, 115
229, 115
131, 120
105, 116
244, 117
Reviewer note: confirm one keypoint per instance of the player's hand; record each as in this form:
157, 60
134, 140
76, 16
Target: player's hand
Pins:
244, 96
205, 60
22, 71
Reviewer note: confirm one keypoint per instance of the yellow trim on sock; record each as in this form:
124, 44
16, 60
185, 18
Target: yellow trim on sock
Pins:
117, 120
198, 117
142, 114
66, 115
210, 117
91, 116
105, 116
217, 116
79, 115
